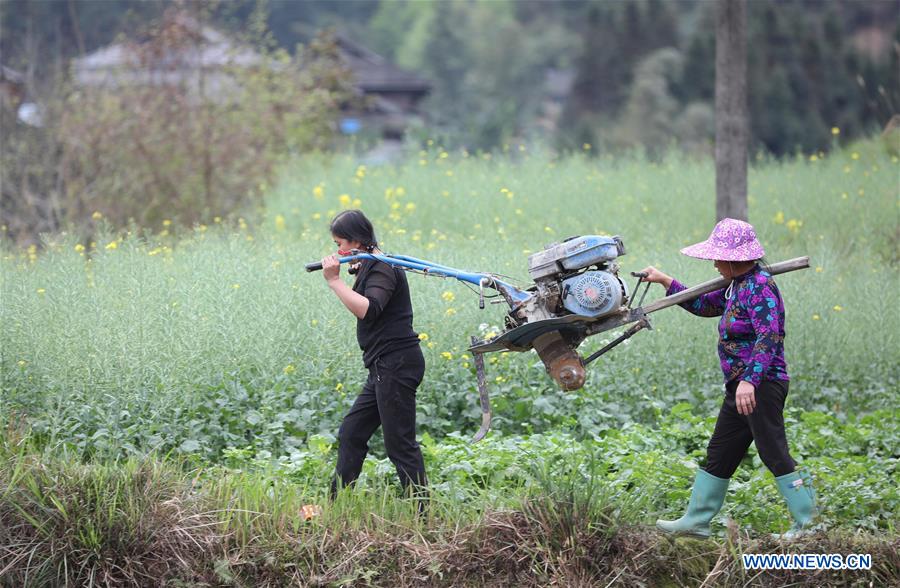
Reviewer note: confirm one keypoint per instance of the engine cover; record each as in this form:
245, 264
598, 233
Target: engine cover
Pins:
573, 254
593, 293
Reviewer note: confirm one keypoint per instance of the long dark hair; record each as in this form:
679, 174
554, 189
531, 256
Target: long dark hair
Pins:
354, 226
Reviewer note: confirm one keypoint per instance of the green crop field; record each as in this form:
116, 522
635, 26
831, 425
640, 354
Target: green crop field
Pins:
205, 367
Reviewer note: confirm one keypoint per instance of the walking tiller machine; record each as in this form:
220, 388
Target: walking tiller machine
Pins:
577, 293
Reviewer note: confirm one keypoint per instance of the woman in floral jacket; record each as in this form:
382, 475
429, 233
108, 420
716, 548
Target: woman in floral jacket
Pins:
751, 353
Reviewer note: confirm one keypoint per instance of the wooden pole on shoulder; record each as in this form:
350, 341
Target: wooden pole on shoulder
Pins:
781, 267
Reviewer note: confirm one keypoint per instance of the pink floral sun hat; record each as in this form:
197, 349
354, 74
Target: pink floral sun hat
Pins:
731, 240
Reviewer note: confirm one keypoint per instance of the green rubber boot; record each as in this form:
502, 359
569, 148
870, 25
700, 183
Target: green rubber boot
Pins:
798, 491
706, 500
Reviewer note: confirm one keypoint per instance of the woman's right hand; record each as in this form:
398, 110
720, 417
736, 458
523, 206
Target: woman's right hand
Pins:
331, 268
655, 276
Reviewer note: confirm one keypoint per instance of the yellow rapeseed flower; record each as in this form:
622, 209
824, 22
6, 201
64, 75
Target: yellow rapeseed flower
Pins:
814, 157
290, 369
112, 245
40, 290
779, 218
22, 363
447, 355
835, 131
448, 296
838, 308
316, 216
854, 155
96, 215
586, 146
339, 387
166, 222
423, 336
318, 192
794, 225
279, 222
235, 286
345, 200
450, 311
79, 247
819, 269
816, 317
357, 203
410, 206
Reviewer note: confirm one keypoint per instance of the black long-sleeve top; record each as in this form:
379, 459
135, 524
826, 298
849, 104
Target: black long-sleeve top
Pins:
387, 325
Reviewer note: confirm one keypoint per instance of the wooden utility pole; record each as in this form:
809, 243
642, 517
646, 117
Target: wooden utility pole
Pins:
731, 109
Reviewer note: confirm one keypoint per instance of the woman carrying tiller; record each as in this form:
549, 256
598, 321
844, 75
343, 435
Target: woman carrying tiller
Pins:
379, 299
751, 353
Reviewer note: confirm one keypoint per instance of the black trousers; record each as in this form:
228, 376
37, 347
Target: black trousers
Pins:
734, 432
388, 399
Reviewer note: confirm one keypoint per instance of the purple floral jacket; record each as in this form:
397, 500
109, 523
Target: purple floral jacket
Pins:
751, 331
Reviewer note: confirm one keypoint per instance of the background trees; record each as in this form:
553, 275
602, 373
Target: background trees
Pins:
812, 66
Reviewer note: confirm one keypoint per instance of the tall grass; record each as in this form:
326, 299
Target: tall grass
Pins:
145, 522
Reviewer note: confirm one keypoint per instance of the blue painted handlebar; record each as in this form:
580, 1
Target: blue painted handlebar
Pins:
512, 294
